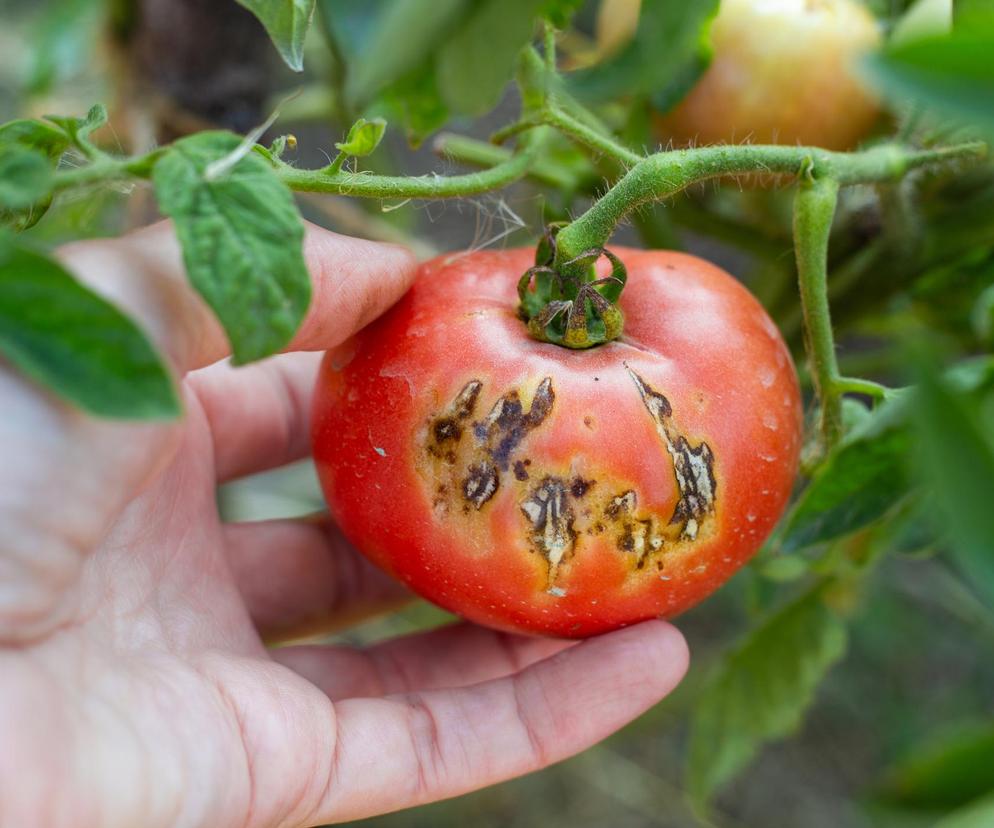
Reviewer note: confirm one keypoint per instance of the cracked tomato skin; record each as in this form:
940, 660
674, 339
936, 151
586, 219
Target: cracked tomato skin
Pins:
532, 488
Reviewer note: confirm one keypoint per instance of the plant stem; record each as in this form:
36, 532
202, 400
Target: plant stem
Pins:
426, 186
338, 182
484, 154
667, 173
814, 209
590, 138
856, 385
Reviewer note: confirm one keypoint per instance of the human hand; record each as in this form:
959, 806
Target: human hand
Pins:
135, 688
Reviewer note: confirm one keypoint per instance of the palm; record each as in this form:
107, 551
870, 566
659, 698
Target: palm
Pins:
136, 687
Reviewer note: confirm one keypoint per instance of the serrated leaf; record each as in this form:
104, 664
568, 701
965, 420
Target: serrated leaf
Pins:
242, 239
761, 690
75, 343
406, 36
475, 64
364, 137
643, 66
957, 463
856, 485
286, 23
952, 74
946, 772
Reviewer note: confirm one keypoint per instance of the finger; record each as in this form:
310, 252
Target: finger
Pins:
403, 751
353, 281
258, 415
299, 577
455, 655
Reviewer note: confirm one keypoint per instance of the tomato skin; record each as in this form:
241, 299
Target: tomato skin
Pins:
399, 445
783, 72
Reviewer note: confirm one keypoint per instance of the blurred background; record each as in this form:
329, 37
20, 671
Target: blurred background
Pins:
901, 730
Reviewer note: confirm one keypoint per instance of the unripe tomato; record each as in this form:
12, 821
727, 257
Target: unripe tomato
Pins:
783, 72
533, 488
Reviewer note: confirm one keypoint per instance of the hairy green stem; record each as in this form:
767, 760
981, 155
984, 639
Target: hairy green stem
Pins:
426, 186
484, 154
336, 181
667, 173
590, 138
814, 209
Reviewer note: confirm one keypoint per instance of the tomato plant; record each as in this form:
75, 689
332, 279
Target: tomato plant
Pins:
550, 439
532, 487
782, 72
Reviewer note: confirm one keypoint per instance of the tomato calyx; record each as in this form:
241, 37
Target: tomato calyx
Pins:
565, 303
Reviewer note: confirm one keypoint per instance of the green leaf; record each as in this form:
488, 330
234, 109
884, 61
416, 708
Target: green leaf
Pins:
645, 66
363, 137
25, 177
946, 772
952, 74
286, 23
957, 462
22, 178
78, 129
242, 239
856, 485
38, 135
69, 339
978, 814
406, 35
418, 105
761, 690
475, 64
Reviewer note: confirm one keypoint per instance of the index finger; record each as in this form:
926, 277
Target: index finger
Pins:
353, 281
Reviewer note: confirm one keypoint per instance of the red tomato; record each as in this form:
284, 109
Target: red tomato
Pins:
533, 488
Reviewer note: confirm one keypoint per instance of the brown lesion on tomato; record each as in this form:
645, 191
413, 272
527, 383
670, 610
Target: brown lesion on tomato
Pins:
548, 510
693, 465
471, 455
446, 431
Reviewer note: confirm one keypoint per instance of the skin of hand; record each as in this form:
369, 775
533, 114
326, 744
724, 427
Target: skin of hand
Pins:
135, 687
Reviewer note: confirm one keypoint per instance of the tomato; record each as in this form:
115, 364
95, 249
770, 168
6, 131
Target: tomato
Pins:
783, 72
529, 487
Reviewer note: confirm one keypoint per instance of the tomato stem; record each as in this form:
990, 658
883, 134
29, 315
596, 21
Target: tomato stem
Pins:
657, 177
814, 209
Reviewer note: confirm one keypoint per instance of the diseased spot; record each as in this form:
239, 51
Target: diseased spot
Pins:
547, 509
637, 536
693, 466
472, 455
446, 431
480, 484
579, 487
446, 428
506, 425
588, 422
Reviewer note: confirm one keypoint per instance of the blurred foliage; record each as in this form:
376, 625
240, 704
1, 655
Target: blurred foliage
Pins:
884, 564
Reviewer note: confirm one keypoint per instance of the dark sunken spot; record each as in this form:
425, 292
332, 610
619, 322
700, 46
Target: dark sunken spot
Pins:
579, 487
